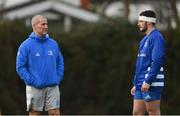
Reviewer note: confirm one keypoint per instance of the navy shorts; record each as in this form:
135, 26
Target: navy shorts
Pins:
147, 96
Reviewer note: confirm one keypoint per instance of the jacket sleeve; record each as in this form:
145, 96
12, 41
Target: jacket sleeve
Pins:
157, 56
60, 66
21, 65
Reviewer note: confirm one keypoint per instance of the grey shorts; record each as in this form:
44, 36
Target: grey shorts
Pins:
39, 99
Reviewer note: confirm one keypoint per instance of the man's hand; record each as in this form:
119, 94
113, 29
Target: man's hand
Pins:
133, 90
145, 87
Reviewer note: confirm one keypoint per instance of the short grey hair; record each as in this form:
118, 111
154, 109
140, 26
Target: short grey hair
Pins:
36, 18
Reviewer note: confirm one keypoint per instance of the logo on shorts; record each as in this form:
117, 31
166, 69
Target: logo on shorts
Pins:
148, 97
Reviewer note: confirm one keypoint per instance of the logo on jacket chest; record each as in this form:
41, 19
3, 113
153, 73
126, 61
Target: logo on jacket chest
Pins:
50, 53
143, 50
37, 54
146, 44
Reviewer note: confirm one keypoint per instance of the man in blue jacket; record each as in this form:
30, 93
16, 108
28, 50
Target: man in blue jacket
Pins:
40, 64
149, 75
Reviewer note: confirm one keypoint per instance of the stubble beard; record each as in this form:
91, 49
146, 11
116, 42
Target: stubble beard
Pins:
143, 29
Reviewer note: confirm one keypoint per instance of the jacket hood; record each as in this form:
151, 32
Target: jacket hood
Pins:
34, 36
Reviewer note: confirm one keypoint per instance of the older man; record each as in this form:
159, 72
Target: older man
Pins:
40, 64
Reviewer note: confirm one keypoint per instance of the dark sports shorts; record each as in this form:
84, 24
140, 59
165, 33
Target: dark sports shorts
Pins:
147, 96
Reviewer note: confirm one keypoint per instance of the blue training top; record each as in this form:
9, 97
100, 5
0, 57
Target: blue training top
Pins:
150, 60
39, 62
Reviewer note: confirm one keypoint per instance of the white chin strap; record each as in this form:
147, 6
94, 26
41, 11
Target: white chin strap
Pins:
148, 19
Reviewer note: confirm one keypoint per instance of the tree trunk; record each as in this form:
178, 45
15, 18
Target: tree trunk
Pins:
126, 8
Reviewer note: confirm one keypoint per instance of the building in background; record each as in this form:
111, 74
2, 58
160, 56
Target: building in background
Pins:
64, 10
86, 10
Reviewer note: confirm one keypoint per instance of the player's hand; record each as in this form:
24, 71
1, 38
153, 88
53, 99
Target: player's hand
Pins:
133, 90
145, 87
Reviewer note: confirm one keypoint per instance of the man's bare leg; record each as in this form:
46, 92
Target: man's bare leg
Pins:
54, 112
139, 107
153, 107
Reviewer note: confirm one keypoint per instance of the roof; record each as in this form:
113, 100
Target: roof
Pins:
36, 7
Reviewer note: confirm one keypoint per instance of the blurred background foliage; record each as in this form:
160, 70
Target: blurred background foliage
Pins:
99, 67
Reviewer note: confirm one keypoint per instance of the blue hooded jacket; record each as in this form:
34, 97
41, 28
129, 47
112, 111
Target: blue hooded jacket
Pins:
150, 61
39, 62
